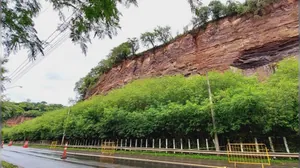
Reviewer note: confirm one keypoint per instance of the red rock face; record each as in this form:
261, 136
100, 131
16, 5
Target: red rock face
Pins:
17, 120
247, 42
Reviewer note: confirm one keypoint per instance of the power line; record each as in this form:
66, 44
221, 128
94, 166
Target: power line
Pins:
47, 52
12, 75
15, 73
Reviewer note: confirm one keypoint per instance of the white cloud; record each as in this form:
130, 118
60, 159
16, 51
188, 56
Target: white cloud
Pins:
70, 64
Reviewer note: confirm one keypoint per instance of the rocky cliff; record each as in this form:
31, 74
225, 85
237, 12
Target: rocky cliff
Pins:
17, 120
245, 42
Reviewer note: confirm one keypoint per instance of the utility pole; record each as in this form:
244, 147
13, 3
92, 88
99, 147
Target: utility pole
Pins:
64, 133
213, 115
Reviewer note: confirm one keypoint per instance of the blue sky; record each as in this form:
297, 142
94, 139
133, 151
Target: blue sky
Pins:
53, 79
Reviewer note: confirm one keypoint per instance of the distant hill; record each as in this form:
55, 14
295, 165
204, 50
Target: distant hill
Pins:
14, 113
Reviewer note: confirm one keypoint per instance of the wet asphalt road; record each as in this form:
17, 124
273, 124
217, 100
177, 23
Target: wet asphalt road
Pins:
39, 158
43, 158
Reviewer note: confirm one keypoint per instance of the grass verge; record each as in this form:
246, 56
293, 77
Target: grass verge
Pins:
8, 165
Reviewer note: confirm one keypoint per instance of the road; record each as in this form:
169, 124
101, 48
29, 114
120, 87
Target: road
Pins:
36, 158
42, 158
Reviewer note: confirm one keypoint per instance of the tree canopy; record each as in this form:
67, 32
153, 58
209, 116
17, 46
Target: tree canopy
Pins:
30, 109
89, 19
216, 9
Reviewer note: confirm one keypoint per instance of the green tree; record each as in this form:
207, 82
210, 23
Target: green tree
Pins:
3, 78
195, 4
232, 7
121, 52
217, 9
201, 17
134, 45
96, 18
163, 34
10, 110
148, 38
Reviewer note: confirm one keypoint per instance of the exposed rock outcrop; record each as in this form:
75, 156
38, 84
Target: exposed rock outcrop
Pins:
17, 120
247, 42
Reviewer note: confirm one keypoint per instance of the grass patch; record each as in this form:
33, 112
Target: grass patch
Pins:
8, 165
198, 156
163, 154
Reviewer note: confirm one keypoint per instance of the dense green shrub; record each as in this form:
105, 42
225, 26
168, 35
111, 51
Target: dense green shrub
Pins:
176, 106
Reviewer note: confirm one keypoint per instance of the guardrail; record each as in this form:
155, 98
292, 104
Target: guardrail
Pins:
169, 150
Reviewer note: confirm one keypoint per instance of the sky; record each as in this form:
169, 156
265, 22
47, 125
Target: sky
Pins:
54, 77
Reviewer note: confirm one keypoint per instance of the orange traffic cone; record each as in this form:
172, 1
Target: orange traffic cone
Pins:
25, 144
64, 155
10, 143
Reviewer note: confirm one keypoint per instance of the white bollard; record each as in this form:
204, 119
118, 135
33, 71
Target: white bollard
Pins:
189, 143
125, 143
198, 144
146, 143
141, 143
130, 142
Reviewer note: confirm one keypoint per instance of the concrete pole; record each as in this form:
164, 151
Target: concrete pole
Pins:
271, 145
174, 145
125, 143
136, 143
141, 145
242, 147
130, 143
256, 145
286, 145
207, 147
189, 143
181, 145
121, 143
64, 133
153, 143
166, 143
213, 115
159, 143
229, 145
